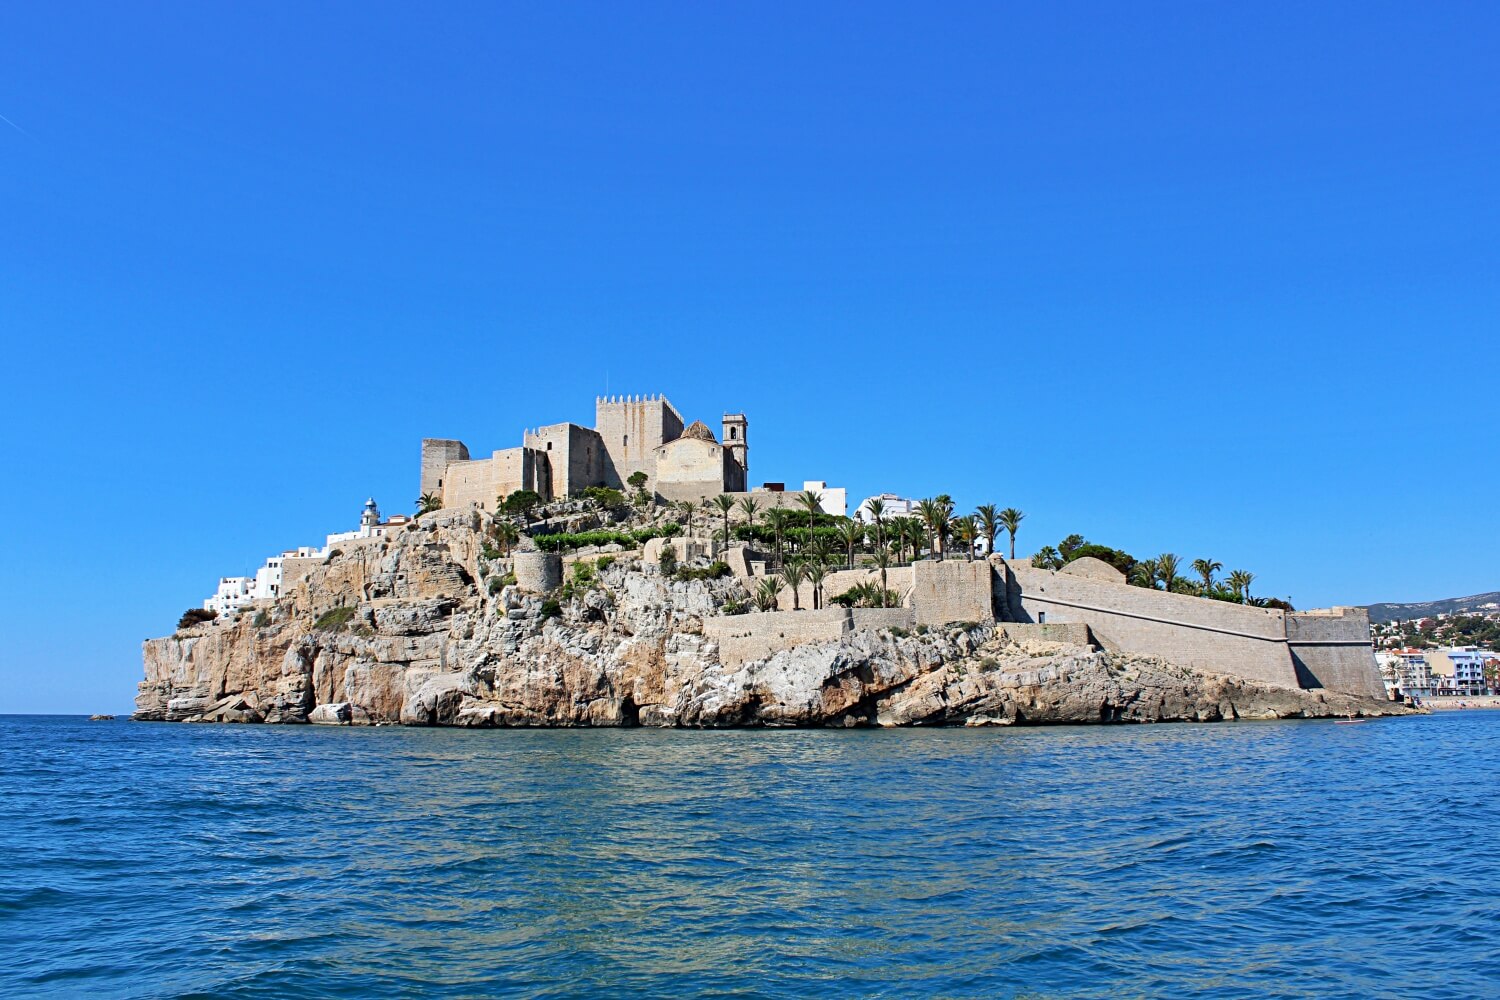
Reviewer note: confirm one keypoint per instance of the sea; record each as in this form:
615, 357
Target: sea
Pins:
1251, 859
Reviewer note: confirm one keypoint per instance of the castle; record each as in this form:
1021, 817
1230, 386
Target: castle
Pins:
630, 434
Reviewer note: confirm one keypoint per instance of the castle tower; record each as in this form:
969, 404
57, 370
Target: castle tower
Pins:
437, 455
631, 427
737, 446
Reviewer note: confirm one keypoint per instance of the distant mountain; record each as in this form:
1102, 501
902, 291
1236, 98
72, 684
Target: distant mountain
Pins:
1425, 609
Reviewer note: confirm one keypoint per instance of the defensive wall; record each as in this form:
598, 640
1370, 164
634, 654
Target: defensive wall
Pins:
742, 638
1194, 632
952, 590
1331, 649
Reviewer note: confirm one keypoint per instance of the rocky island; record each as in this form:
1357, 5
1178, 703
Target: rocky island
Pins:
533, 590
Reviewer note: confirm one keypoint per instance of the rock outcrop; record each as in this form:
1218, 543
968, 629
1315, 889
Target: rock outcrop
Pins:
410, 629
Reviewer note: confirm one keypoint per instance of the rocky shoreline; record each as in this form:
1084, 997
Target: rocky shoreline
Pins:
410, 630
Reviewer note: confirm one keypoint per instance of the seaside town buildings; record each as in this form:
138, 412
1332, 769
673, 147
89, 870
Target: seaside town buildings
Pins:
1454, 671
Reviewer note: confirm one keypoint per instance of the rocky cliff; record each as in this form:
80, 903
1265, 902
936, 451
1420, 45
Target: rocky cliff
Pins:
416, 629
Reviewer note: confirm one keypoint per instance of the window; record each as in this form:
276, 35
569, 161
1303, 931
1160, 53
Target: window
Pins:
1041, 617
626, 440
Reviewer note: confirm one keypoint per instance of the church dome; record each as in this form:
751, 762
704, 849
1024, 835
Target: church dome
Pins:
699, 431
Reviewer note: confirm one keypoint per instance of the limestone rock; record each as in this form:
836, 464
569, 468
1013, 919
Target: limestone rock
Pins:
426, 644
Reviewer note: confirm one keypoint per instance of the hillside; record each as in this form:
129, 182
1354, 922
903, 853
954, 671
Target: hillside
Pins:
429, 626
1478, 603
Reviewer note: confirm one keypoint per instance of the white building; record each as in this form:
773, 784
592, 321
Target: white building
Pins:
235, 592
835, 498
894, 505
232, 594
370, 526
268, 580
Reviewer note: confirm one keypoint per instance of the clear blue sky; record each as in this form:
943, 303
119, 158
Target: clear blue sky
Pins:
1215, 279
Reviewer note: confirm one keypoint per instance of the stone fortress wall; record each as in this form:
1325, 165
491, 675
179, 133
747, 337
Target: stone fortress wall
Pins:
1083, 605
742, 638
1331, 649
1190, 631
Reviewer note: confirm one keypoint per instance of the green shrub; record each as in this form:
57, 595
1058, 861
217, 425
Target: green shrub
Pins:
713, 571
262, 619
335, 620
488, 551
867, 595
551, 608
195, 616
583, 572
604, 496
668, 560
563, 540
508, 579
735, 606
495, 585
604, 562
521, 501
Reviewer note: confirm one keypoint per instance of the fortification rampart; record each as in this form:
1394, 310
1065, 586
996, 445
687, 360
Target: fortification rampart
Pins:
743, 638
1205, 635
953, 590
1331, 649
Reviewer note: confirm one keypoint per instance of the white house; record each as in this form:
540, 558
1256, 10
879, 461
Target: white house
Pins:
232, 594
895, 506
835, 498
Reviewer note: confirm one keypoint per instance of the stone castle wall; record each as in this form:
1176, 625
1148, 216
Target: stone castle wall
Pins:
1331, 649
756, 636
1190, 631
953, 590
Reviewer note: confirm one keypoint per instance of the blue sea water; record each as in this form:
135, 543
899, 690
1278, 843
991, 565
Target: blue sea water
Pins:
1291, 859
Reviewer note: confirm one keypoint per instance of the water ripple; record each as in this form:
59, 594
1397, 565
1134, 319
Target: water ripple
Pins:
1247, 860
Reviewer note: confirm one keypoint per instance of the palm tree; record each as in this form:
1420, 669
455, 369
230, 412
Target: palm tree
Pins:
427, 503
813, 501
987, 516
748, 507
851, 533
966, 530
1144, 574
900, 534
766, 593
725, 503
882, 559
1166, 568
1206, 568
1010, 520
792, 575
686, 506
876, 507
507, 534
776, 518
932, 515
817, 571
1239, 582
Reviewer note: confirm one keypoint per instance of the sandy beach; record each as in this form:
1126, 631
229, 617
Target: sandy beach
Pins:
1464, 702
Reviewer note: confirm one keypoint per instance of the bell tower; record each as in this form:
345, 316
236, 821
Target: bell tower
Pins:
734, 439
